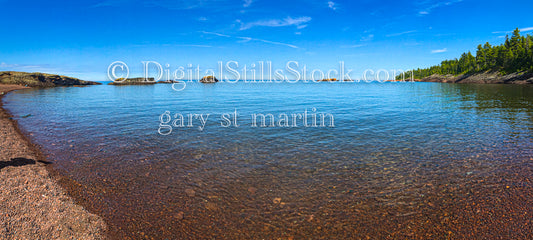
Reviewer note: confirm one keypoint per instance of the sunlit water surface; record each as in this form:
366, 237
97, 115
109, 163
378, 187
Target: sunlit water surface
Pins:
401, 159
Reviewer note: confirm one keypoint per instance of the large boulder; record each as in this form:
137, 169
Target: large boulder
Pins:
209, 79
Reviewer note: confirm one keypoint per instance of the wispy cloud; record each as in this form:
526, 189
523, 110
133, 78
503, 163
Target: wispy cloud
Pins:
439, 50
244, 39
202, 19
213, 5
367, 38
431, 5
45, 68
193, 45
23, 67
354, 46
527, 29
247, 3
332, 5
275, 43
248, 39
401, 33
144, 45
299, 22
178, 5
217, 34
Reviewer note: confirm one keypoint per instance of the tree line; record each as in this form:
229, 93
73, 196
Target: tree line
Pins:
514, 55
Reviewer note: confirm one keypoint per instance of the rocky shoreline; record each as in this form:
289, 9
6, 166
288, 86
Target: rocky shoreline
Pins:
483, 78
32, 203
41, 79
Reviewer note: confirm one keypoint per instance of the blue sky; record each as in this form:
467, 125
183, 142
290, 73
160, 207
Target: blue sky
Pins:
81, 38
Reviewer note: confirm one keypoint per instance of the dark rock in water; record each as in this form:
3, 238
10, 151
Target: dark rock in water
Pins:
41, 79
328, 80
168, 81
209, 79
133, 81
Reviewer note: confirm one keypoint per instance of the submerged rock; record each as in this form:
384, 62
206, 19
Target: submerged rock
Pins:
209, 79
190, 192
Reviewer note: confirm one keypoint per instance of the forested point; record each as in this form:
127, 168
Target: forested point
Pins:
514, 55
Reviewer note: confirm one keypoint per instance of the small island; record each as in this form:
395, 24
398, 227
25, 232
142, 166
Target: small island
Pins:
328, 80
209, 79
133, 81
41, 79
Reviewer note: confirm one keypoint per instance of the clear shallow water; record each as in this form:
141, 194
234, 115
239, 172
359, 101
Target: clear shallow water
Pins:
403, 158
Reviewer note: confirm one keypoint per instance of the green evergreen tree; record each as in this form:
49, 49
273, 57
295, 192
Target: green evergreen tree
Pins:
515, 54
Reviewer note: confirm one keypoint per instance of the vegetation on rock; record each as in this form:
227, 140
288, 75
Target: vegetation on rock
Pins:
133, 81
209, 79
40, 79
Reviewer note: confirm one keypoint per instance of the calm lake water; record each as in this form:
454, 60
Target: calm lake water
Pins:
404, 160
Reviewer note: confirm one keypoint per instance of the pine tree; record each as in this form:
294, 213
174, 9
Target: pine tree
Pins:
515, 54
481, 58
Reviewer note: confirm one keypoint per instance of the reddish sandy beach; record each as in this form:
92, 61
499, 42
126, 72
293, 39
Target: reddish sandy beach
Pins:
32, 204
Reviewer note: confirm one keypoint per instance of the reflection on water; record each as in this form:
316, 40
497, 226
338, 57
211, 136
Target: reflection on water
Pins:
408, 160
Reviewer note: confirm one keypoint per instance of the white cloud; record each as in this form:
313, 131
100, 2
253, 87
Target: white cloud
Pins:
169, 4
354, 46
245, 39
367, 38
247, 3
46, 68
527, 29
217, 34
22, 66
435, 4
212, 5
270, 42
299, 22
439, 50
332, 5
193, 45
400, 33
202, 19
248, 39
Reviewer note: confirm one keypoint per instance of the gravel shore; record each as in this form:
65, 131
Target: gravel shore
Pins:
32, 204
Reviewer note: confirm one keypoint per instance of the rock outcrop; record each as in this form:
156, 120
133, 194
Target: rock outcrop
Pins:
486, 77
168, 81
209, 79
328, 80
133, 81
41, 79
